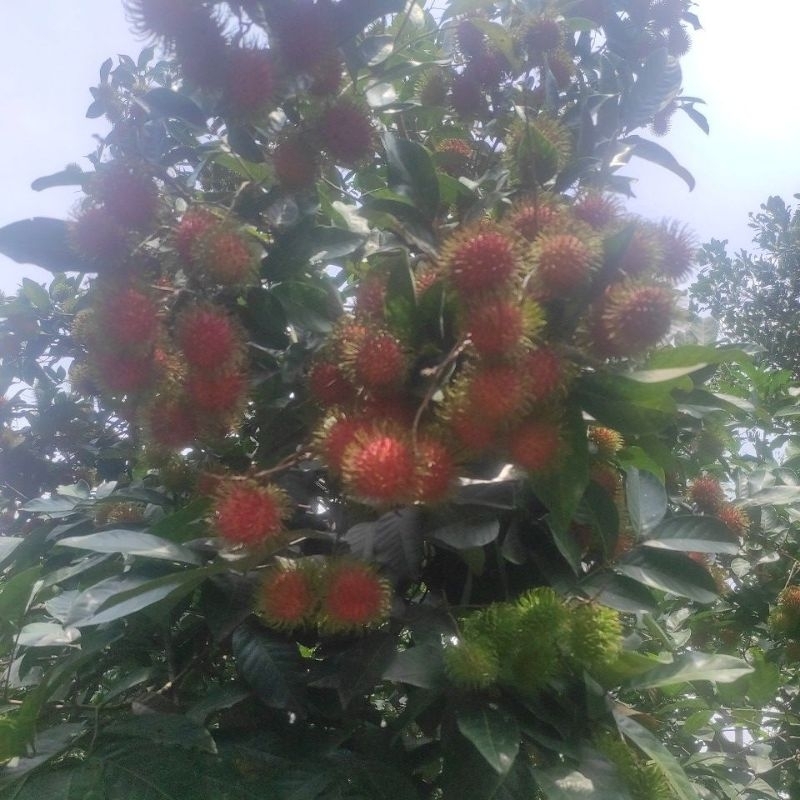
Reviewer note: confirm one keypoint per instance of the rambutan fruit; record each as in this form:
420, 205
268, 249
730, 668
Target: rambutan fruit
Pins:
171, 422
735, 518
470, 39
82, 379
597, 209
537, 149
607, 477
326, 76
470, 429
328, 384
562, 67
345, 132
371, 295
288, 597
530, 217
662, 120
495, 327
544, 372
189, 231
706, 493
127, 317
471, 664
220, 394
541, 35
127, 193
635, 316
379, 468
202, 52
789, 600
209, 338
564, 262
248, 513
666, 13
606, 441
496, 392
250, 81
333, 438
304, 34
488, 68
163, 18
480, 257
678, 250
296, 163
225, 256
435, 470
595, 637
353, 596
379, 363
433, 88
84, 327
453, 155
643, 254
122, 373
466, 96
535, 445
97, 236
679, 41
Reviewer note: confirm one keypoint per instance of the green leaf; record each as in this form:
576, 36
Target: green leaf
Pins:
694, 534
375, 49
48, 744
218, 698
412, 173
468, 533
328, 244
47, 634
395, 540
421, 665
131, 543
172, 730
494, 732
54, 506
161, 102
650, 151
665, 374
8, 544
692, 667
658, 83
646, 498
773, 496
655, 750
272, 666
71, 175
42, 241
674, 573
595, 778
15, 594
618, 591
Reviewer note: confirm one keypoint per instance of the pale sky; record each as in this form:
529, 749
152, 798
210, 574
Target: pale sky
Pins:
742, 64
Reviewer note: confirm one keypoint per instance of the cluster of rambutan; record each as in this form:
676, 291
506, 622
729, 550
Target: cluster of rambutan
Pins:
337, 595
644, 779
706, 494
784, 619
525, 644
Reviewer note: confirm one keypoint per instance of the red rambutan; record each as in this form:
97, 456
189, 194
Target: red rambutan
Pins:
245, 512
544, 372
250, 80
128, 317
120, 373
597, 209
470, 429
735, 518
529, 218
334, 437
606, 441
209, 338
562, 68
541, 35
379, 363
564, 262
328, 384
202, 52
607, 477
219, 394
496, 392
128, 194
679, 41
195, 222
706, 493
435, 471
224, 255
471, 40
378, 468
453, 155
371, 295
326, 76
295, 163
288, 597
678, 250
353, 596
466, 96
98, 237
496, 327
643, 254
304, 33
535, 445
345, 131
171, 422
635, 317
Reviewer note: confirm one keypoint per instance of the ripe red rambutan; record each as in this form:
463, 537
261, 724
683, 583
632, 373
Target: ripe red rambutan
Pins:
250, 80
288, 597
679, 41
435, 470
789, 599
466, 96
735, 518
328, 384
245, 512
529, 218
219, 394
326, 75
165, 18
496, 392
353, 596
334, 437
224, 255
471, 40
128, 317
541, 35
379, 363
535, 445
470, 429
194, 223
543, 371
635, 317
706, 493
643, 254
607, 477
98, 237
488, 68
345, 131
347, 337
304, 34
564, 262
478, 258
295, 163
496, 327
597, 209
371, 295
202, 51
128, 194
678, 249
171, 422
378, 467
121, 373
209, 338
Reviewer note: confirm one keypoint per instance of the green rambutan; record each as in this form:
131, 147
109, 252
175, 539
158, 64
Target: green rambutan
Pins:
353, 596
248, 513
607, 442
433, 88
595, 635
471, 664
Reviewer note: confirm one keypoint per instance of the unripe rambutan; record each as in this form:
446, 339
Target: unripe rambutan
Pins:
98, 237
597, 209
453, 155
595, 636
564, 262
706, 493
530, 217
496, 392
328, 384
480, 257
678, 250
378, 468
466, 96
82, 380
247, 513
194, 224
471, 40
635, 316
127, 317
209, 338
537, 149
289, 596
250, 81
379, 363
224, 255
535, 445
735, 518
296, 163
544, 371
171, 422
345, 131
541, 35
353, 597
128, 194
607, 442
220, 394
435, 470
471, 664
433, 88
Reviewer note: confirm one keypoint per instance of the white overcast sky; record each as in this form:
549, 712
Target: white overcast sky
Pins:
742, 64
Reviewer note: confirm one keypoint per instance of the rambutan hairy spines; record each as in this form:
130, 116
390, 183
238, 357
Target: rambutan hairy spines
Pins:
706, 493
250, 81
224, 256
564, 261
532, 216
249, 513
635, 316
209, 338
345, 132
643, 254
328, 384
122, 373
371, 295
162, 18
471, 40
536, 444
170, 422
495, 327
606, 441
127, 192
480, 257
379, 363
735, 518
336, 433
497, 392
597, 209
288, 597
296, 163
220, 395
541, 34
128, 317
97, 236
353, 597
188, 232
545, 372
678, 250
435, 470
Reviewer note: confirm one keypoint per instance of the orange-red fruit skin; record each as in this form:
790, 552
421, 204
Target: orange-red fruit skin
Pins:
544, 372
225, 256
706, 493
128, 317
130, 197
195, 223
171, 423
354, 596
328, 385
380, 363
535, 445
479, 260
208, 338
495, 326
217, 394
496, 392
564, 263
98, 237
379, 468
250, 80
636, 317
435, 471
247, 513
345, 132
287, 598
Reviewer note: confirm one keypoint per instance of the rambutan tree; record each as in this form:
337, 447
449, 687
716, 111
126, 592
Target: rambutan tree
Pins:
355, 448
